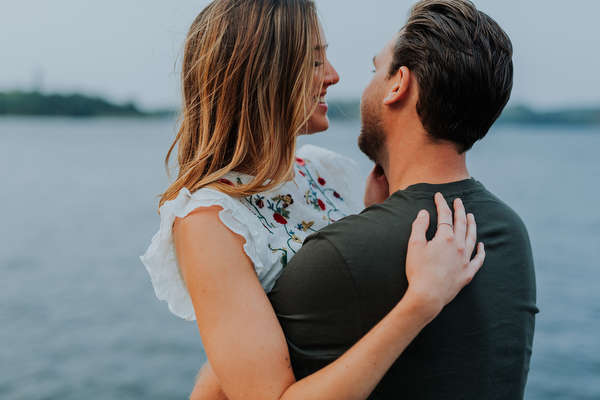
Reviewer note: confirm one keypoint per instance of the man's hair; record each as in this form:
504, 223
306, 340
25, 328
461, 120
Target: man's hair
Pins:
462, 61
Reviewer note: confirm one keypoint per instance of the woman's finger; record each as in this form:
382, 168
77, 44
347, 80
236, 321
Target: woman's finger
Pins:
477, 261
419, 228
460, 221
444, 213
471, 238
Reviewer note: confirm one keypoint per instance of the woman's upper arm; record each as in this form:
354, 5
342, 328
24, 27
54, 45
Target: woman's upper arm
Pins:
240, 332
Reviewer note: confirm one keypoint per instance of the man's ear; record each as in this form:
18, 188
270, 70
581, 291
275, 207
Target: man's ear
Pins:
399, 87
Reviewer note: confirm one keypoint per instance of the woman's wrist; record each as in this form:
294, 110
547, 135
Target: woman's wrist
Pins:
422, 306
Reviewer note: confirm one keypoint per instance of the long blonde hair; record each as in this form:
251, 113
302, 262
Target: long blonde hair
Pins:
247, 84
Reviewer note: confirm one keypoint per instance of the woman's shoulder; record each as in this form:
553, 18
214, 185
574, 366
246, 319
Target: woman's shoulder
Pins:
186, 202
199, 222
206, 209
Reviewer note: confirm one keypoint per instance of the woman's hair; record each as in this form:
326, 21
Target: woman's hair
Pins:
247, 84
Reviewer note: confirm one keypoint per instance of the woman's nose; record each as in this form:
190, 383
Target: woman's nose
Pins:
331, 76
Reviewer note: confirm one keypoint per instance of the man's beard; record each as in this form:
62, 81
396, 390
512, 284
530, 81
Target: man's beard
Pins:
372, 138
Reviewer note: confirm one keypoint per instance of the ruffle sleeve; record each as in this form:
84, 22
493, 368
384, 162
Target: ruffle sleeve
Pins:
161, 261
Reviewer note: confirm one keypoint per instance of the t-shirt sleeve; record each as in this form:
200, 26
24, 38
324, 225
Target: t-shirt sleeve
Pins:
317, 305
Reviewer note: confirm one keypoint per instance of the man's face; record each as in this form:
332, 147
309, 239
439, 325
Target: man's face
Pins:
372, 137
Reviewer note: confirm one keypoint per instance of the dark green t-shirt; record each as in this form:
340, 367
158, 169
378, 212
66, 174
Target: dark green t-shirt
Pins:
348, 276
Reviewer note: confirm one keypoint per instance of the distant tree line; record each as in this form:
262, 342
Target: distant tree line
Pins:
78, 105
525, 115
74, 105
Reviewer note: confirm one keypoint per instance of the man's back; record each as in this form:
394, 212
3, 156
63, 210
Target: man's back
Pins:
348, 276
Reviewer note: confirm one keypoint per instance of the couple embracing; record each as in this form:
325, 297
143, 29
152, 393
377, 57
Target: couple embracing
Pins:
298, 294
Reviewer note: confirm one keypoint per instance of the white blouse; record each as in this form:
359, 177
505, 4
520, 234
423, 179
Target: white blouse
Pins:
326, 188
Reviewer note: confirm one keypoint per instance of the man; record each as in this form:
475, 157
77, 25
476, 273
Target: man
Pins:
438, 86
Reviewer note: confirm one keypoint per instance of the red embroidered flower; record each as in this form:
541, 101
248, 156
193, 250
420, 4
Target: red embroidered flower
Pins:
226, 181
300, 162
321, 204
336, 195
279, 218
321, 181
302, 173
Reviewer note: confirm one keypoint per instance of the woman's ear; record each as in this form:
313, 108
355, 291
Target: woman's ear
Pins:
399, 87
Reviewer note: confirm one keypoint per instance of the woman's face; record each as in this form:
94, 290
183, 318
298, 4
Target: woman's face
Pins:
318, 121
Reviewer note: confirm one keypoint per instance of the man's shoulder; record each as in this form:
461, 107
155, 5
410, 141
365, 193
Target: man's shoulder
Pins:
374, 223
487, 208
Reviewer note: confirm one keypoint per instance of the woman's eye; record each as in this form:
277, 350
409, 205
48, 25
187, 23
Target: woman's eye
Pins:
318, 63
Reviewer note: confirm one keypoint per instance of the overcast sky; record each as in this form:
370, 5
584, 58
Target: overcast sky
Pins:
127, 49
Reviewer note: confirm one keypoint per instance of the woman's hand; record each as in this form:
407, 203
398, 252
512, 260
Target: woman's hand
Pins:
438, 269
376, 188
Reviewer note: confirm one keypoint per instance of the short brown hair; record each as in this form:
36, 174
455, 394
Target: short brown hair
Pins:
462, 61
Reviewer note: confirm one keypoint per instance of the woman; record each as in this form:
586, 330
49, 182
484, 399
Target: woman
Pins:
255, 76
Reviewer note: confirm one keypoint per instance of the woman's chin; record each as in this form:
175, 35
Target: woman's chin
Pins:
316, 127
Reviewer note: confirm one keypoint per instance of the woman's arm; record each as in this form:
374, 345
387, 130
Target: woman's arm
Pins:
242, 336
240, 332
207, 385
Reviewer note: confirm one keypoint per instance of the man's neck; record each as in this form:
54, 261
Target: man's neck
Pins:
435, 164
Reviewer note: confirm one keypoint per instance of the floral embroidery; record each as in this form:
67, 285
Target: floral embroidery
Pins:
287, 200
304, 226
280, 206
283, 259
259, 201
321, 204
317, 194
281, 212
279, 218
320, 180
225, 181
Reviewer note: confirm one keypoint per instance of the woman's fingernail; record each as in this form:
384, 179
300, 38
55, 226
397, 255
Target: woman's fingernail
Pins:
422, 214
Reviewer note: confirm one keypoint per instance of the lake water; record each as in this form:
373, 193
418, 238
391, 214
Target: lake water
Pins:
78, 315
